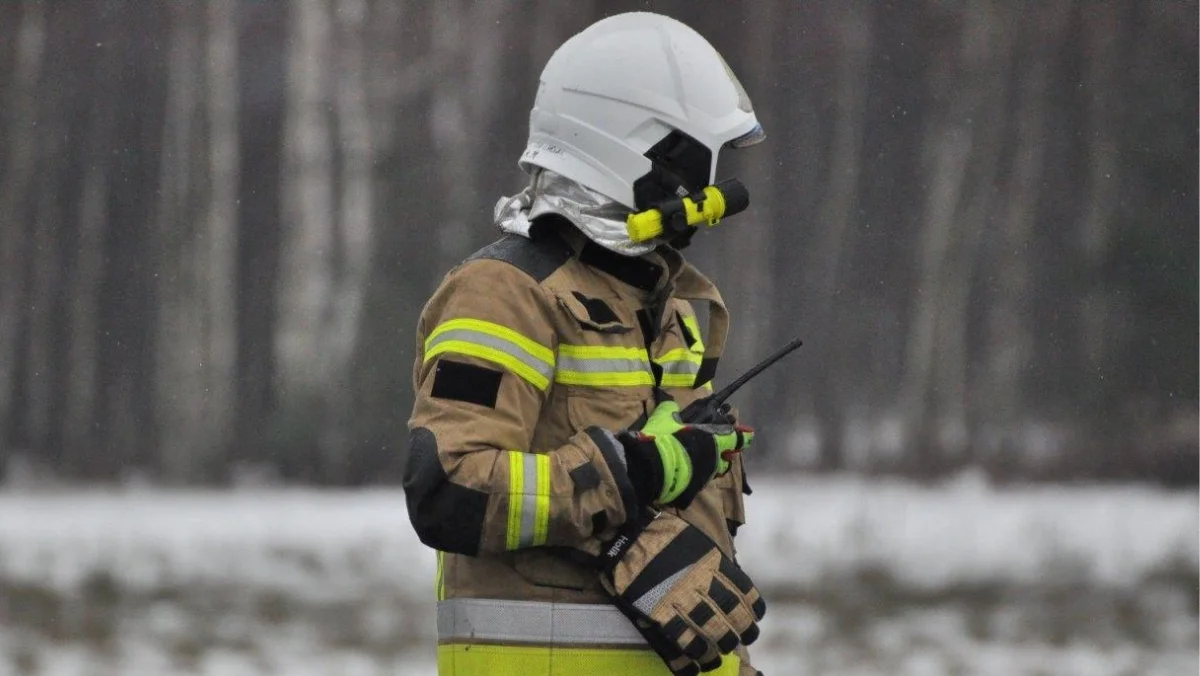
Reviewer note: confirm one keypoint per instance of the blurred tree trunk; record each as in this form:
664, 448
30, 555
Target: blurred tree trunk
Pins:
218, 251
180, 346
198, 219
15, 251
852, 32
988, 85
953, 135
750, 248
450, 129
353, 234
262, 72
45, 280
1008, 341
306, 284
86, 275
1104, 103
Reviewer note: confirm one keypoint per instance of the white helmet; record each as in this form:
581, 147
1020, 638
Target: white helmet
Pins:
637, 107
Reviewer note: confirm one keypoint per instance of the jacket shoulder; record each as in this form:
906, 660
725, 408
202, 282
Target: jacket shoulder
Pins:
536, 258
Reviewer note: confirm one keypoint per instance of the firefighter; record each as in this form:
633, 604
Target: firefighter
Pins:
580, 526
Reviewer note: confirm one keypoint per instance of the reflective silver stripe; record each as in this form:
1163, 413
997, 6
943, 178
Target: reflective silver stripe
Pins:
534, 622
529, 499
602, 365
680, 367
506, 346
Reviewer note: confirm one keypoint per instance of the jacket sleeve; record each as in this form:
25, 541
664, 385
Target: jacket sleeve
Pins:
485, 361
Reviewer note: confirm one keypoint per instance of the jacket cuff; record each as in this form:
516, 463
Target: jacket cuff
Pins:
615, 457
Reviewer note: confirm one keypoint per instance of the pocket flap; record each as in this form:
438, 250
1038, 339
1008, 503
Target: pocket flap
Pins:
594, 314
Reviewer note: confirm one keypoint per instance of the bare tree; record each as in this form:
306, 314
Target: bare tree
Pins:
20, 163
953, 135
1008, 345
219, 249
306, 285
852, 30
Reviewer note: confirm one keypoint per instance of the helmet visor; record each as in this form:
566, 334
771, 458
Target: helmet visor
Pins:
755, 135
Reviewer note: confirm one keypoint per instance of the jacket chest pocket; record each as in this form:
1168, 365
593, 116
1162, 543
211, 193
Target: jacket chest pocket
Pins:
602, 363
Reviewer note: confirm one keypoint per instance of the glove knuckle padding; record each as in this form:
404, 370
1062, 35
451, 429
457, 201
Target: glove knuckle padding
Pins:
675, 582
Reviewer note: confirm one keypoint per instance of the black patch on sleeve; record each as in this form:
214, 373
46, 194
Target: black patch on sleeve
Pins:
598, 311
466, 382
445, 515
585, 476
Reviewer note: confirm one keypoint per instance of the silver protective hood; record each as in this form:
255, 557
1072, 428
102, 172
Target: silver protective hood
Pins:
598, 217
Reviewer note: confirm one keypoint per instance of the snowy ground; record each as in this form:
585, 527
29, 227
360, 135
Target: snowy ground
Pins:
862, 577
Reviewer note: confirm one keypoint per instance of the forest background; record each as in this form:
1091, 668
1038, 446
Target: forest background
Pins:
219, 221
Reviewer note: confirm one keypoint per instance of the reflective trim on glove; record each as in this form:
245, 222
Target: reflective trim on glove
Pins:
670, 576
684, 457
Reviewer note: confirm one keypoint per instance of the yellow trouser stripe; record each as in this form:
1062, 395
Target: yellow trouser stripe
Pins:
465, 659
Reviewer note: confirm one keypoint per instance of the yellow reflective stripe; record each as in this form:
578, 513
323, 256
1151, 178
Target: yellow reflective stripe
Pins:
610, 379
603, 366
495, 343
528, 500
693, 327
680, 367
541, 519
534, 348
602, 352
678, 379
681, 354
439, 585
470, 657
516, 491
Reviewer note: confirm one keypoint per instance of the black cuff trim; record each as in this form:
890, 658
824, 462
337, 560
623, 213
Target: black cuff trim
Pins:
614, 455
702, 450
645, 468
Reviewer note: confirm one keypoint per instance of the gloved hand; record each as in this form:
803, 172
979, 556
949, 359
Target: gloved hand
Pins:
690, 602
670, 461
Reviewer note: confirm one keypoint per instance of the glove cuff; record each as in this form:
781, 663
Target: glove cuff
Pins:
616, 458
702, 450
645, 466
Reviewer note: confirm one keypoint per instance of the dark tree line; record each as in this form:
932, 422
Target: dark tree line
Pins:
219, 219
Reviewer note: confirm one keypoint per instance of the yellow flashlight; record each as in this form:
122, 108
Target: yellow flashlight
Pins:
674, 216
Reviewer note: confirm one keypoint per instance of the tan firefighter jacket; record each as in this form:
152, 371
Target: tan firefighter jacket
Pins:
529, 355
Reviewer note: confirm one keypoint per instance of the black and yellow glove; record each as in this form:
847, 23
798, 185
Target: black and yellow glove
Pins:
691, 602
670, 460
